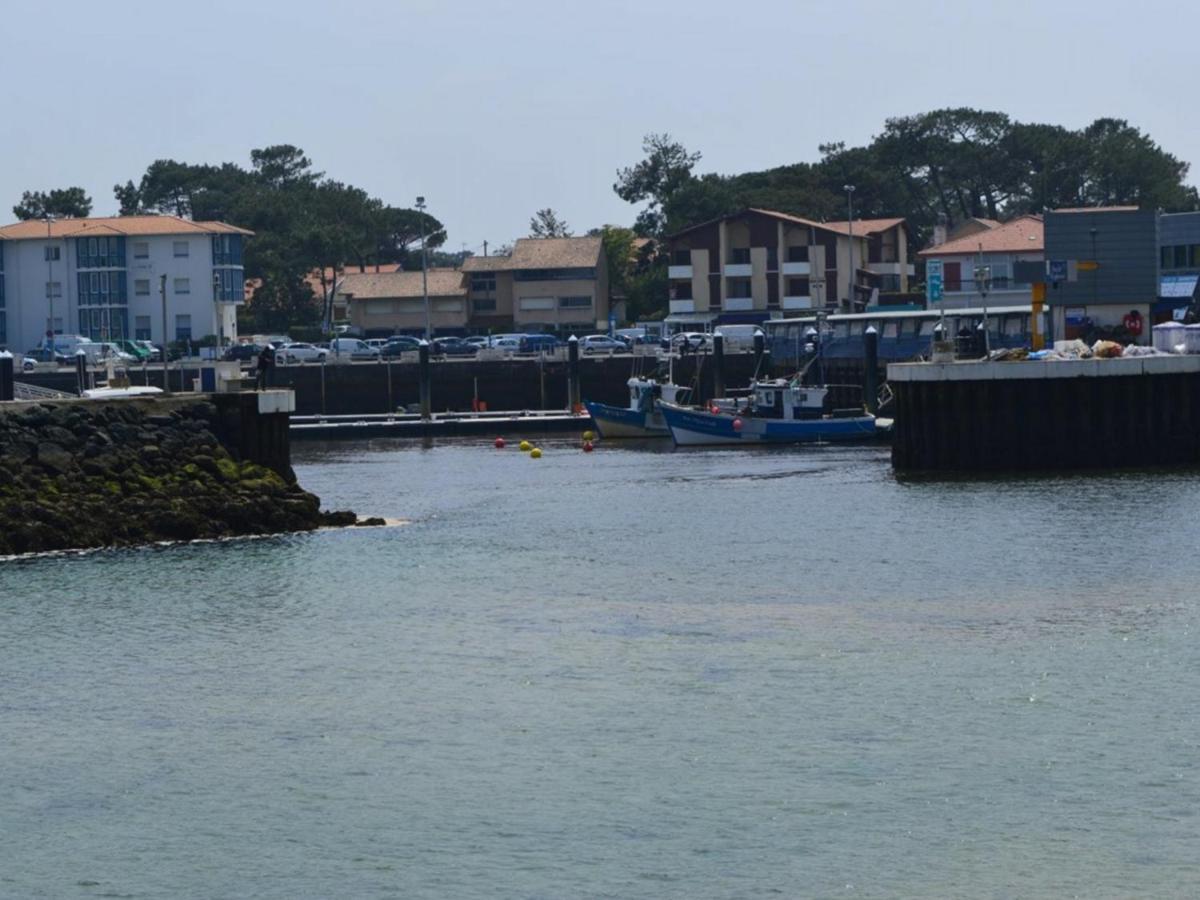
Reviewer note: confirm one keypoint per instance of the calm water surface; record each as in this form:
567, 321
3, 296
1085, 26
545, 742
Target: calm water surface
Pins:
624, 674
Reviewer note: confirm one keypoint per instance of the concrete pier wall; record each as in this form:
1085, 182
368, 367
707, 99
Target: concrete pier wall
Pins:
1029, 416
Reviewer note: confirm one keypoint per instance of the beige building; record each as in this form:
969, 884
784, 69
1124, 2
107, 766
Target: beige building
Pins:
384, 303
547, 284
759, 263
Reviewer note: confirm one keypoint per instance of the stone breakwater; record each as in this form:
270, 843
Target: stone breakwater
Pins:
82, 474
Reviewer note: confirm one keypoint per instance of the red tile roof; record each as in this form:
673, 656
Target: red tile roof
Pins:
1022, 235
865, 226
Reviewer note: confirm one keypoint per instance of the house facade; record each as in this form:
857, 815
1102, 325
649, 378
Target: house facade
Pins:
998, 248
546, 285
758, 264
384, 303
101, 277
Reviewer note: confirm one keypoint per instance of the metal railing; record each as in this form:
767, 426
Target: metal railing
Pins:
25, 391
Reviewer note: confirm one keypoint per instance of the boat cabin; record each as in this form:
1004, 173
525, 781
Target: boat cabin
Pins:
785, 399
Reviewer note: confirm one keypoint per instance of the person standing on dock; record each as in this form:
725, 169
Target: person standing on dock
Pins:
266, 359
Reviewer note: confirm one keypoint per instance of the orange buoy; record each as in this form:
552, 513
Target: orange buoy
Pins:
499, 442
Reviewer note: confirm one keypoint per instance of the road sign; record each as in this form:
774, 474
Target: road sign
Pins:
933, 287
1087, 265
1056, 269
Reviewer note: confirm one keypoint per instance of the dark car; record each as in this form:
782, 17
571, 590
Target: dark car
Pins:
243, 352
400, 344
453, 346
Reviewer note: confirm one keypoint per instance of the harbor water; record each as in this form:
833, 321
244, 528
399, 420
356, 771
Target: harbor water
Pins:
631, 673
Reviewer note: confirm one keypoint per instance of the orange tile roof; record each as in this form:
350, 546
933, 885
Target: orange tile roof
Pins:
130, 226
864, 226
1024, 234
542, 253
390, 285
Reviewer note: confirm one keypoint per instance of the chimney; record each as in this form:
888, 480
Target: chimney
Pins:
939, 231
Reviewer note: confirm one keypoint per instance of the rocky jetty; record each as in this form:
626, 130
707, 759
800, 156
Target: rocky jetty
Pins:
78, 475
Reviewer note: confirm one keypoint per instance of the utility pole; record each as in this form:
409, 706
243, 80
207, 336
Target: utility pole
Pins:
424, 271
50, 331
162, 292
849, 189
218, 326
485, 248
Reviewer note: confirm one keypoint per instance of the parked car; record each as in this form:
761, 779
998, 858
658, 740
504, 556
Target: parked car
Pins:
243, 352
40, 354
538, 343
352, 349
507, 344
102, 352
482, 341
602, 343
399, 345
134, 349
153, 349
378, 343
692, 340
453, 346
299, 352
28, 364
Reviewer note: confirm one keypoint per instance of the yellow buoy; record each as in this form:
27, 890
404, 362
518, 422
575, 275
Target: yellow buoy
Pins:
535, 453
588, 436
526, 446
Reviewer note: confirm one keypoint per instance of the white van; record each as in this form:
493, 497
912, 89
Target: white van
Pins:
345, 349
738, 338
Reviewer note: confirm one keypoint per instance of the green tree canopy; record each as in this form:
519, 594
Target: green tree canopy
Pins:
65, 203
546, 224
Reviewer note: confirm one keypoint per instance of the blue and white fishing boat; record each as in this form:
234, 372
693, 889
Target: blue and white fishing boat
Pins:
779, 411
643, 417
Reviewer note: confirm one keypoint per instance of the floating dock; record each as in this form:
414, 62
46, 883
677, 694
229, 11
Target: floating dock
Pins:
1046, 415
449, 424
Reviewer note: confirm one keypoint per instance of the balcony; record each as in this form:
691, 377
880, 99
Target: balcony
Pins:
737, 270
679, 271
797, 268
739, 304
683, 306
797, 302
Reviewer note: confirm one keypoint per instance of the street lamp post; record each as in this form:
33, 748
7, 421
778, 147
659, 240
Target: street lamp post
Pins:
849, 189
983, 280
424, 271
218, 325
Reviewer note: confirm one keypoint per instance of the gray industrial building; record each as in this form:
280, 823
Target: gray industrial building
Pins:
1112, 257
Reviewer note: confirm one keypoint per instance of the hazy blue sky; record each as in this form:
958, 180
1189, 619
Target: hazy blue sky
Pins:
493, 110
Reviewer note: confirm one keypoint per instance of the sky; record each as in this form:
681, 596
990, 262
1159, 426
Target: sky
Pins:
494, 110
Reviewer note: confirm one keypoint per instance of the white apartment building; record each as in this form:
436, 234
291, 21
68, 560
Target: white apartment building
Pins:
101, 278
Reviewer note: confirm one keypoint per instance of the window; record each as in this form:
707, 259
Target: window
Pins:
740, 288
891, 283
772, 259
53, 288
681, 257
141, 250
141, 328
574, 302
682, 290
797, 254
480, 304
483, 283
58, 325
141, 287
183, 285
797, 287
183, 328
52, 253
181, 248
739, 256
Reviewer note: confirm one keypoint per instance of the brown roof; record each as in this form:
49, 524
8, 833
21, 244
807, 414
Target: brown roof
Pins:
1021, 235
775, 214
542, 253
131, 226
864, 226
486, 263
391, 285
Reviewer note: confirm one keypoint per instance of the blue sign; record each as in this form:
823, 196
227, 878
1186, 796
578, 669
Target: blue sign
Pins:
1056, 269
933, 287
